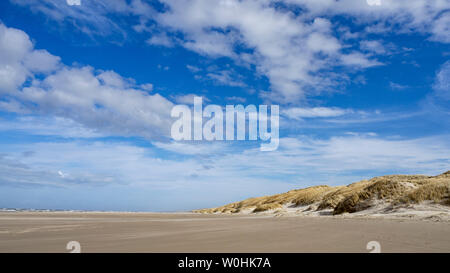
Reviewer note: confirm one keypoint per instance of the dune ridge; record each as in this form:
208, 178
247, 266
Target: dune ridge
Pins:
384, 194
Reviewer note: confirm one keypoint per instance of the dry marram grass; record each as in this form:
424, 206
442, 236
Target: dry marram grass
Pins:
396, 189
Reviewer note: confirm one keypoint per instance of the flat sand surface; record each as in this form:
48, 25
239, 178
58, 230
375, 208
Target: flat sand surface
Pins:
186, 232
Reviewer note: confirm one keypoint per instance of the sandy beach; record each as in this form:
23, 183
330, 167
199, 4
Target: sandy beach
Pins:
190, 232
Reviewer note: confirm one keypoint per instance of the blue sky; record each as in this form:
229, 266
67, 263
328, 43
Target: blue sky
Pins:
86, 93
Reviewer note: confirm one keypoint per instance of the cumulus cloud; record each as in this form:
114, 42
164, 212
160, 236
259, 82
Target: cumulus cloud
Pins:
40, 61
287, 50
79, 94
18, 59
294, 51
102, 100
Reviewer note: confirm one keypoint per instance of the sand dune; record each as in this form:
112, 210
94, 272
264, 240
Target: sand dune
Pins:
412, 196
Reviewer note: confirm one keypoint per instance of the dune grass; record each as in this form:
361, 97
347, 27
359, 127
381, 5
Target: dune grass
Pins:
353, 197
269, 206
437, 192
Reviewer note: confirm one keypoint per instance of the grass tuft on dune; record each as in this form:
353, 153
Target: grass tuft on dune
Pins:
394, 189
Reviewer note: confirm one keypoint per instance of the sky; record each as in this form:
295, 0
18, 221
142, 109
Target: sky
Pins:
86, 93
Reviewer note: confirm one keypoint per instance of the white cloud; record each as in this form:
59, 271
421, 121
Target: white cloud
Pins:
18, 59
353, 153
193, 68
373, 46
11, 77
48, 126
41, 61
79, 94
189, 99
283, 45
44, 165
147, 87
160, 40
397, 86
315, 112
334, 160
163, 67
92, 17
14, 43
399, 16
94, 163
62, 174
236, 99
286, 62
317, 42
113, 79
101, 100
186, 148
13, 106
358, 60
15, 172
302, 160
137, 178
442, 82
212, 44
295, 51
226, 77
441, 28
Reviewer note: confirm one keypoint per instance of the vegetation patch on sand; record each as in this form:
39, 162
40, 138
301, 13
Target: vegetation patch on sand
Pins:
391, 189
